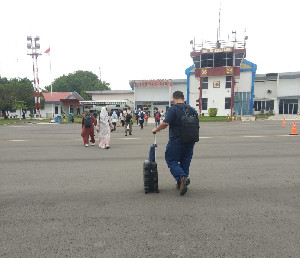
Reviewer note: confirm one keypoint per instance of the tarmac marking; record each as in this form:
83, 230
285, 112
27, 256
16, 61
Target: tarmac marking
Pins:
253, 136
18, 140
18, 126
126, 138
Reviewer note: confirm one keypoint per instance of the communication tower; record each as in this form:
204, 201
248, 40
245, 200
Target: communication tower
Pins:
33, 50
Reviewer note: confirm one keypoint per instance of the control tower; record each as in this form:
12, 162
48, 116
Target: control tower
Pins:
215, 81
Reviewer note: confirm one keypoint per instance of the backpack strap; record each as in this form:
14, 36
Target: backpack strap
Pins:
184, 109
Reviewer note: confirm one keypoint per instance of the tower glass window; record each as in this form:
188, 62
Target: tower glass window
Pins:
204, 103
228, 82
227, 103
205, 83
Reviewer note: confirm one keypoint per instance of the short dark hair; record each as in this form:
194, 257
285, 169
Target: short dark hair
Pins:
178, 95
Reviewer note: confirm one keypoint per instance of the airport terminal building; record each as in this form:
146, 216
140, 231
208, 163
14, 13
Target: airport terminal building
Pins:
221, 77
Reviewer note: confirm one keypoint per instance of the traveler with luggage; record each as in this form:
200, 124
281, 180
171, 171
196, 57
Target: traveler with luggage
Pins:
157, 116
104, 129
128, 122
88, 121
183, 125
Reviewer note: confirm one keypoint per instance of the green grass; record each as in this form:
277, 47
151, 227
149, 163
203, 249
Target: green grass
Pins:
11, 121
213, 119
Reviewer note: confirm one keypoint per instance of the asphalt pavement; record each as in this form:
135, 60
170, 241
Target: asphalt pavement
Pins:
61, 199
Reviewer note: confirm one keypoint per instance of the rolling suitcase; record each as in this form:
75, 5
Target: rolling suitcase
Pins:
150, 171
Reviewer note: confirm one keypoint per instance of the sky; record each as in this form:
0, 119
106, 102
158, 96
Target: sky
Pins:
139, 39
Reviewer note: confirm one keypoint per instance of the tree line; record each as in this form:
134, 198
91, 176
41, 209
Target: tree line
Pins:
15, 93
79, 81
18, 93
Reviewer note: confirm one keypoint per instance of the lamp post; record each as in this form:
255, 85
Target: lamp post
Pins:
33, 50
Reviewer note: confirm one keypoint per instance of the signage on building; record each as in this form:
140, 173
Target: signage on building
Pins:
152, 83
216, 84
217, 50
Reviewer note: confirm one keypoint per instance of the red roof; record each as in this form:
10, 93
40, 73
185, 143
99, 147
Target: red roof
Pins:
56, 96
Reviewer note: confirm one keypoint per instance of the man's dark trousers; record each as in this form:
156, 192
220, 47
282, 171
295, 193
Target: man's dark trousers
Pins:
178, 157
142, 123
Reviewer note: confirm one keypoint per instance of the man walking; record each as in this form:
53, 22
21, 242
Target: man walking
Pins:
142, 118
127, 118
178, 154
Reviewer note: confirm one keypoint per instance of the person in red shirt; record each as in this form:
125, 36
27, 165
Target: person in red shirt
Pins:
88, 122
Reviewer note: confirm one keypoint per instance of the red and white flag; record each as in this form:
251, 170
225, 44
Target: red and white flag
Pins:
47, 51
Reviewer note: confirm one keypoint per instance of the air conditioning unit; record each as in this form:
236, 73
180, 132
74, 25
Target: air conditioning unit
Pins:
262, 111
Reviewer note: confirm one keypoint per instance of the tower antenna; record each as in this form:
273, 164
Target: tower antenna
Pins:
219, 29
220, 21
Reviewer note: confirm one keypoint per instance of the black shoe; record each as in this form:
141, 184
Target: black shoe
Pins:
125, 134
183, 185
188, 181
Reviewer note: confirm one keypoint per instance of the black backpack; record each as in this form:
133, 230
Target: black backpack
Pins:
87, 120
128, 117
189, 132
142, 115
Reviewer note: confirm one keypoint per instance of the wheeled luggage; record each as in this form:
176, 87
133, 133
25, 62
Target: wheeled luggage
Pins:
150, 171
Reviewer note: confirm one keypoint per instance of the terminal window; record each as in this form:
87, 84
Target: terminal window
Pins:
205, 83
266, 105
227, 103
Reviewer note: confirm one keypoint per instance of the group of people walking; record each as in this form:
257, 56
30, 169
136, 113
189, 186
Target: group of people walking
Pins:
105, 123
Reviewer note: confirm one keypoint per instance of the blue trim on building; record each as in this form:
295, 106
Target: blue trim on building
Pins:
253, 70
188, 73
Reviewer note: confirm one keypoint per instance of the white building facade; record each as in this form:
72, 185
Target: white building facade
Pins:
278, 93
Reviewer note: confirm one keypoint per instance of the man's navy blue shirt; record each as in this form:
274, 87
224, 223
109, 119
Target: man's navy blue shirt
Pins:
173, 118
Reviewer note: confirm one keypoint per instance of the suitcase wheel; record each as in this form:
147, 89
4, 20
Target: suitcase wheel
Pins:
146, 191
157, 191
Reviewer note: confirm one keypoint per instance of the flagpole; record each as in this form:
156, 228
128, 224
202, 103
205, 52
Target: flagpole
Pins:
52, 114
48, 52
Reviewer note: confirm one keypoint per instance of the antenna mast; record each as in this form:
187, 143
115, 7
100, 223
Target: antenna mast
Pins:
219, 29
220, 21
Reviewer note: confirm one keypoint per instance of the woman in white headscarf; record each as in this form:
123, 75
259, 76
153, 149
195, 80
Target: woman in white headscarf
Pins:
114, 118
104, 129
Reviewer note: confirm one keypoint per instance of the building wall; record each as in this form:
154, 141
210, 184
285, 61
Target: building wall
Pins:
47, 111
243, 83
261, 90
119, 96
194, 91
288, 87
152, 94
285, 88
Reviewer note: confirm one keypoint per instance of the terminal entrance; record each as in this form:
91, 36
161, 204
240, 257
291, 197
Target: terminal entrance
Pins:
288, 106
